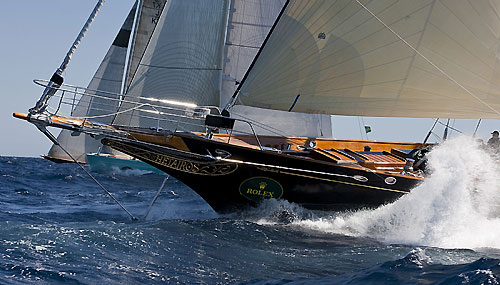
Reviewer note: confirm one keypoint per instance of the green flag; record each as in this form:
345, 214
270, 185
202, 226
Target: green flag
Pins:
368, 129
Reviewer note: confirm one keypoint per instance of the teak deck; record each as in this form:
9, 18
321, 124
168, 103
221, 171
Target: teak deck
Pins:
383, 156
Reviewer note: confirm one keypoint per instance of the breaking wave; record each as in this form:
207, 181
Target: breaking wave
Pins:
457, 206
416, 267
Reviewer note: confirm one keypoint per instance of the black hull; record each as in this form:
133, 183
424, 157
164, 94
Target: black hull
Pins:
247, 176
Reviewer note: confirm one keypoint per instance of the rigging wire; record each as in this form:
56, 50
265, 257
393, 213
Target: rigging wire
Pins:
430, 132
359, 125
156, 197
364, 127
445, 134
477, 127
269, 129
130, 45
54, 140
437, 137
232, 100
428, 60
450, 127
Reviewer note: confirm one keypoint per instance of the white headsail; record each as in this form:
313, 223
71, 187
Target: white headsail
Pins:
248, 25
390, 58
182, 61
107, 78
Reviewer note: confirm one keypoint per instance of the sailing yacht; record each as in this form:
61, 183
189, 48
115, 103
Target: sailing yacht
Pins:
397, 58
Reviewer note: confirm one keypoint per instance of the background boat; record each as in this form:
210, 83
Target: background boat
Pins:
99, 162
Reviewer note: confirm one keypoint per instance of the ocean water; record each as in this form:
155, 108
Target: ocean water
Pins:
57, 226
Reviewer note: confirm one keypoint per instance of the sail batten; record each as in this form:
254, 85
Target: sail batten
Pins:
379, 58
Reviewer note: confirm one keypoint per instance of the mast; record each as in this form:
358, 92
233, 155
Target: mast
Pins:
138, 27
236, 92
223, 43
131, 45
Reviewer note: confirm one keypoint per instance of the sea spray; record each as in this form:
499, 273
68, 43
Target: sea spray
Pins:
455, 207
272, 211
73, 234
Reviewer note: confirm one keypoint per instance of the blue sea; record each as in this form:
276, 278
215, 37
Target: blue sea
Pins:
57, 226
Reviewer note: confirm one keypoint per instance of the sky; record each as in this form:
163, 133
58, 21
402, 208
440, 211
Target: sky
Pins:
37, 35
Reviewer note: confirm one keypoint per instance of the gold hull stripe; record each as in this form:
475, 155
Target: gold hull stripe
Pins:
284, 167
316, 172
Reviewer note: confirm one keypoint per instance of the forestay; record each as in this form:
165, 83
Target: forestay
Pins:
107, 78
390, 58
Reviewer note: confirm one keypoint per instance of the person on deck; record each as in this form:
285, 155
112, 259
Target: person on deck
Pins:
494, 141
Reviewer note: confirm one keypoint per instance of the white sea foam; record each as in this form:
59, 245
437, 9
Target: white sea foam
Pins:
457, 206
129, 172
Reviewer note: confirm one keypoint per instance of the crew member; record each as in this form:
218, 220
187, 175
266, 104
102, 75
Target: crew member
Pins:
494, 141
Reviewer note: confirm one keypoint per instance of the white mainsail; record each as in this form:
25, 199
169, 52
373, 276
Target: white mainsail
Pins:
248, 25
107, 78
389, 58
182, 61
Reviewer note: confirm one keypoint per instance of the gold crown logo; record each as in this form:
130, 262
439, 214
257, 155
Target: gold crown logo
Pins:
262, 185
